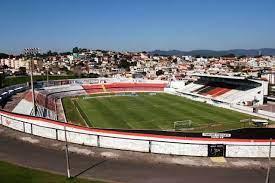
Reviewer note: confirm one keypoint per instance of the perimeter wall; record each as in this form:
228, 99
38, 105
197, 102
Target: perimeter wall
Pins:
161, 144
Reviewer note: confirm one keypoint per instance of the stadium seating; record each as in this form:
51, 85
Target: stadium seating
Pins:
236, 94
93, 88
47, 95
123, 87
214, 89
7, 92
44, 112
192, 87
46, 99
42, 100
229, 92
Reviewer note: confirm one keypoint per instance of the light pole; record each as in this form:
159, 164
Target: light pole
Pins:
67, 150
30, 52
47, 74
267, 178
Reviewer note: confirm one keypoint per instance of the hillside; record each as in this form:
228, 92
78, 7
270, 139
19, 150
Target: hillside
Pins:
237, 52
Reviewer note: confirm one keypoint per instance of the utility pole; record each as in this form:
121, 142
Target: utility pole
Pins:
47, 74
30, 52
67, 151
267, 180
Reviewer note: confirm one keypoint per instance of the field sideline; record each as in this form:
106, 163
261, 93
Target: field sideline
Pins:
147, 111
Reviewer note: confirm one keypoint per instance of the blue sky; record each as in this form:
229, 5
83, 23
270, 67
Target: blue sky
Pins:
136, 25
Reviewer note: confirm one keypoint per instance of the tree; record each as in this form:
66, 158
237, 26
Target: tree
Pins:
75, 50
241, 56
93, 75
22, 70
5, 66
3, 55
65, 53
49, 53
1, 79
258, 56
55, 53
238, 68
124, 64
159, 72
230, 55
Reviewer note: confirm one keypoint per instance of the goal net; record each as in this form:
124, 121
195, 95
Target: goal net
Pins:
182, 125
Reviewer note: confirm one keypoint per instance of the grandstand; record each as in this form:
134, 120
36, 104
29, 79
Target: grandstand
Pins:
146, 122
123, 87
47, 94
7, 92
235, 93
60, 91
229, 90
46, 99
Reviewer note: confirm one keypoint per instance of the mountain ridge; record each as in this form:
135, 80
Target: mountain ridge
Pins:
237, 52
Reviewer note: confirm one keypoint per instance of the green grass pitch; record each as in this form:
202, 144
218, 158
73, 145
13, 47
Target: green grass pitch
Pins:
11, 173
147, 111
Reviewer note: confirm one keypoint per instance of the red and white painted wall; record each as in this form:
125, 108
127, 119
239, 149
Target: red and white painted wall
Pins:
132, 141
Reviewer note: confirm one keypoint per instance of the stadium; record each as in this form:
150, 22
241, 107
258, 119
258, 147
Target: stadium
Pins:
210, 116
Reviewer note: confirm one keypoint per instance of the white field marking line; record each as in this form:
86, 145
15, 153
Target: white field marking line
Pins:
30, 140
104, 96
90, 122
108, 96
80, 114
155, 105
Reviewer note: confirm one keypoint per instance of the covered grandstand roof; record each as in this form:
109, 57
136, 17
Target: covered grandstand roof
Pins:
220, 76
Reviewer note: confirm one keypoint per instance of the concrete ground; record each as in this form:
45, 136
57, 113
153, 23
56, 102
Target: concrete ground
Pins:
125, 166
268, 107
13, 101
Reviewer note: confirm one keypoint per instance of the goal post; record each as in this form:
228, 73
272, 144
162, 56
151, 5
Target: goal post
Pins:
246, 122
182, 125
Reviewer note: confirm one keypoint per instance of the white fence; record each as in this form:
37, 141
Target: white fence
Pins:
131, 141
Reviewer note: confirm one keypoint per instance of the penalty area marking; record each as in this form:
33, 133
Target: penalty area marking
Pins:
133, 94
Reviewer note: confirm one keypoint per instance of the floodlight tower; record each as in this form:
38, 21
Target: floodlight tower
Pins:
31, 52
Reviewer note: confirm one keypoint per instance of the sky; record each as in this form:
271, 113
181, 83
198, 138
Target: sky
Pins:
136, 25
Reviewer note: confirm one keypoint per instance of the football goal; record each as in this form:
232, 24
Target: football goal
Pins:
182, 125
